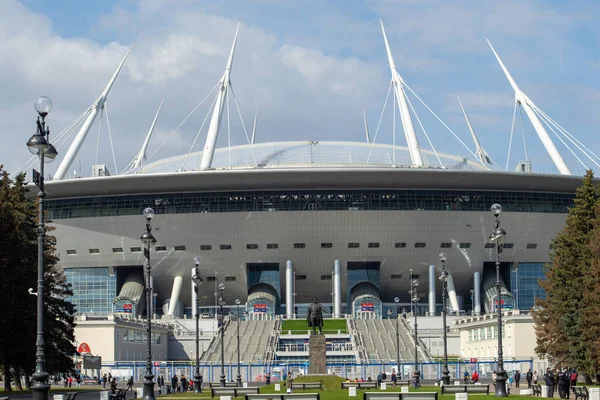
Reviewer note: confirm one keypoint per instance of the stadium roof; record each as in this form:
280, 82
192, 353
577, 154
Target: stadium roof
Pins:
310, 154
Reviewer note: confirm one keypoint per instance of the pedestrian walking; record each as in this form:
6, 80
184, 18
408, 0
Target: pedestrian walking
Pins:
130, 384
529, 377
104, 378
535, 377
394, 378
113, 385
517, 378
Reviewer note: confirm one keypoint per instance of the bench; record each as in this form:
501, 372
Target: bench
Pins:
218, 384
233, 391
537, 390
359, 385
580, 392
465, 389
307, 385
120, 395
400, 396
282, 396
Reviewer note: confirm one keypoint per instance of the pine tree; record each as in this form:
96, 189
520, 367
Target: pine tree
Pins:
559, 319
18, 268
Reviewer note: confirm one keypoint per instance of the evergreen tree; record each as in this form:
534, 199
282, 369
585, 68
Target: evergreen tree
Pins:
18, 268
560, 319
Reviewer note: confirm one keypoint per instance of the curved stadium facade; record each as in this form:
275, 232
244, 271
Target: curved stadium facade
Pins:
279, 223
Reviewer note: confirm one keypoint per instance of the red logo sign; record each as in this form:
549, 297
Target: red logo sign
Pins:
84, 348
260, 308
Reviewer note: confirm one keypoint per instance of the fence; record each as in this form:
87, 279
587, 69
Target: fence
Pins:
256, 372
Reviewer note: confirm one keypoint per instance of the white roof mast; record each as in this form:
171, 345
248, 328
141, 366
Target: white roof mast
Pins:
537, 125
407, 124
87, 124
141, 156
215, 121
479, 151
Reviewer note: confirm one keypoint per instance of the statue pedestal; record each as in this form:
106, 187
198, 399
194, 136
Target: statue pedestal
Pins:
317, 355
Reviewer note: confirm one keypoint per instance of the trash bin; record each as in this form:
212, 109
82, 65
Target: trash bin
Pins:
139, 392
104, 395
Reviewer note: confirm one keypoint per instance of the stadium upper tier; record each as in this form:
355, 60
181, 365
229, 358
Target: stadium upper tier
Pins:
309, 154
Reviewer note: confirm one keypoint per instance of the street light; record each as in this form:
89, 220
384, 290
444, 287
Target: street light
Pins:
497, 236
197, 279
148, 240
415, 299
397, 301
444, 279
39, 144
221, 304
238, 380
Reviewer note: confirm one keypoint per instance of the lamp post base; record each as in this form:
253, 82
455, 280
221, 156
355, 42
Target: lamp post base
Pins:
238, 380
40, 390
445, 376
222, 380
148, 393
501, 384
197, 383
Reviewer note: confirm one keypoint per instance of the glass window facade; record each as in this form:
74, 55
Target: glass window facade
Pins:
524, 284
94, 290
264, 273
322, 200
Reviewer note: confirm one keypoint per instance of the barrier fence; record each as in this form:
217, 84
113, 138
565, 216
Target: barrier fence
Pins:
256, 372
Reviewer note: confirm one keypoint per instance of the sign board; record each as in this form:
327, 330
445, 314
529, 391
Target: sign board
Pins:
84, 348
352, 391
383, 386
404, 389
121, 372
367, 307
92, 362
278, 387
260, 308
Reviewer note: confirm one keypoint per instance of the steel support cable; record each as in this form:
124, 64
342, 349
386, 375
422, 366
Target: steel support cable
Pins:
566, 145
396, 102
442, 122
98, 139
523, 132
425, 132
512, 130
379, 123
541, 113
112, 148
183, 122
243, 125
228, 126
212, 106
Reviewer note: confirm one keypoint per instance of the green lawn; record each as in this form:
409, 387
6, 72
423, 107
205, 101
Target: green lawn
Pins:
333, 392
301, 326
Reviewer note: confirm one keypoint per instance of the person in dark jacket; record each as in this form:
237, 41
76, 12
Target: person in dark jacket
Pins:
549, 379
529, 377
517, 378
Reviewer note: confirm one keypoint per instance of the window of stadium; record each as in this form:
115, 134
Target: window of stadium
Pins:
94, 251
179, 248
400, 245
420, 245
136, 249
252, 246
326, 245
353, 245
205, 247
117, 250
299, 245
272, 246
373, 245
72, 252
225, 246
446, 245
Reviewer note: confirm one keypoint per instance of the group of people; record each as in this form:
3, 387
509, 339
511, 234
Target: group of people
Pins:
182, 384
470, 378
561, 379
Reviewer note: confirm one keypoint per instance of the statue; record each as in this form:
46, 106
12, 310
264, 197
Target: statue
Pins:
315, 316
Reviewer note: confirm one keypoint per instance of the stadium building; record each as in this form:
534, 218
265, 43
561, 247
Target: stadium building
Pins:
350, 223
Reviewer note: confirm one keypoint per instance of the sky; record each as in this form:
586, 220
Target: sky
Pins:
309, 67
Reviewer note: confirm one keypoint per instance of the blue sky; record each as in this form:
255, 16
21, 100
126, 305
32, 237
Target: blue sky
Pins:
309, 67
